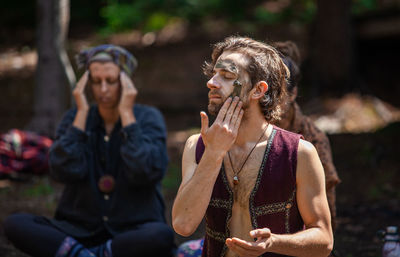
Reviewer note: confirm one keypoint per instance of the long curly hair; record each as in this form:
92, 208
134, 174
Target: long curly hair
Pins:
265, 65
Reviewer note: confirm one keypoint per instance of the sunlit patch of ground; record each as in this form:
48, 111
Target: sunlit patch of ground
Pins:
354, 113
13, 61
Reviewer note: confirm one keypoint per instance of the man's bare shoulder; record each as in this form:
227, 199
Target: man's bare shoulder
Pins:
306, 149
191, 142
308, 162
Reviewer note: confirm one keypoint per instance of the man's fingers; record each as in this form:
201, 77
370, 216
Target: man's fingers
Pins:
235, 115
264, 233
238, 121
204, 123
244, 244
230, 111
222, 112
243, 248
237, 249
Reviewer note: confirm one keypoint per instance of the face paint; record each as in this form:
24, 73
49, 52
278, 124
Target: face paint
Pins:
237, 89
227, 65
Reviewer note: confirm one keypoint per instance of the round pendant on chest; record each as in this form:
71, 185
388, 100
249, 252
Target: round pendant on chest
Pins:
106, 183
235, 180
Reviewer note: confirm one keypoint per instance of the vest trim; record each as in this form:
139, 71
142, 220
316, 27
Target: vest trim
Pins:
215, 235
230, 202
277, 207
258, 181
220, 203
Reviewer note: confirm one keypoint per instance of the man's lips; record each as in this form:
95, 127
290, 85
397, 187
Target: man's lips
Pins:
214, 97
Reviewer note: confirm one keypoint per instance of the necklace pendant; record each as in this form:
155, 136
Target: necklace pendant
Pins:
106, 184
235, 180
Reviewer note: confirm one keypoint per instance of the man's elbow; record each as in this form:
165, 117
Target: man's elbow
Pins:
328, 246
182, 228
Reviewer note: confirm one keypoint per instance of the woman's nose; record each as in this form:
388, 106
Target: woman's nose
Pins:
104, 86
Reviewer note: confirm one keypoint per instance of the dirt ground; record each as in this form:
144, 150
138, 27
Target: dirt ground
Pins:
368, 199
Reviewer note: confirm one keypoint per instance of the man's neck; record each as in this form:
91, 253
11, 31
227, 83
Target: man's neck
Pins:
253, 123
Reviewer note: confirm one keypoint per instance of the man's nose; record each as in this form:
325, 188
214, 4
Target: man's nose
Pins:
213, 83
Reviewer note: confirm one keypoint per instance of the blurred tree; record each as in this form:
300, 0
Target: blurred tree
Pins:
53, 70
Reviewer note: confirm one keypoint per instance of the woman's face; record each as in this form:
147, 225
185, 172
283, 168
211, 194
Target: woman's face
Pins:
105, 83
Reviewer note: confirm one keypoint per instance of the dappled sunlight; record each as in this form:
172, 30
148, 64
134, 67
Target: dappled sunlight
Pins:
12, 61
354, 113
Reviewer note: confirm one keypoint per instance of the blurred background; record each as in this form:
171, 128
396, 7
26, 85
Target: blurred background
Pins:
350, 86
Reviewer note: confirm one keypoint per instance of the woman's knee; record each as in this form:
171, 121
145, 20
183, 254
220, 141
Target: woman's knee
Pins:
164, 232
14, 224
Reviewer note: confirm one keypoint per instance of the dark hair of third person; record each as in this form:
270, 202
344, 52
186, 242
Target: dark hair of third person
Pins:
290, 55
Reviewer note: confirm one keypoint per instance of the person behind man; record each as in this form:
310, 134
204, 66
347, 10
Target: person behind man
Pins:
294, 120
111, 156
260, 188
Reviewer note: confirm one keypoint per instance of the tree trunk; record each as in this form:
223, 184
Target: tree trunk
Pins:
53, 71
332, 43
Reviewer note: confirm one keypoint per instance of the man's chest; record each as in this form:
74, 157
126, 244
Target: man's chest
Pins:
246, 178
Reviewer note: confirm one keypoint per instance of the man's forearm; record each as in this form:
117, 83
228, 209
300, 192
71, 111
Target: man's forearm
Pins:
193, 198
310, 242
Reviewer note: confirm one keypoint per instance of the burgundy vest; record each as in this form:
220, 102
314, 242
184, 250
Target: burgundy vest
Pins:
273, 199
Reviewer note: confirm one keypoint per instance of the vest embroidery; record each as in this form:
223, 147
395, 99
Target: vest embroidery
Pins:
215, 235
220, 203
258, 181
277, 207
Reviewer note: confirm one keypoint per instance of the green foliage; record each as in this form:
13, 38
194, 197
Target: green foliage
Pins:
153, 15
361, 6
309, 9
266, 17
173, 177
42, 188
297, 11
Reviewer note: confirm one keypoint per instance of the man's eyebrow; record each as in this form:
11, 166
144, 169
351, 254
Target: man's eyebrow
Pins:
230, 66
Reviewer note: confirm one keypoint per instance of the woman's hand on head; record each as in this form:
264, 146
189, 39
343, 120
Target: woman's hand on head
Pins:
128, 93
79, 93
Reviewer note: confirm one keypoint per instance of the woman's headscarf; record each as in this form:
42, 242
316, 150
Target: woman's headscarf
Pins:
118, 55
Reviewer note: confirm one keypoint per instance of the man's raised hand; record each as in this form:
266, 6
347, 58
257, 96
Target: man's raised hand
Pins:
223, 132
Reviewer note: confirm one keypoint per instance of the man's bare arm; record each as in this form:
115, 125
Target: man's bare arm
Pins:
195, 191
198, 181
317, 239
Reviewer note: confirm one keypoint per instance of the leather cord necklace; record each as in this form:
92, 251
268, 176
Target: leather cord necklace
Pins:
236, 174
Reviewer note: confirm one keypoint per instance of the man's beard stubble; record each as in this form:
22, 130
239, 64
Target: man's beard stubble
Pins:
214, 108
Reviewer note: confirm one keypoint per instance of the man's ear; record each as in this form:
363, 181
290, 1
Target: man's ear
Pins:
260, 89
